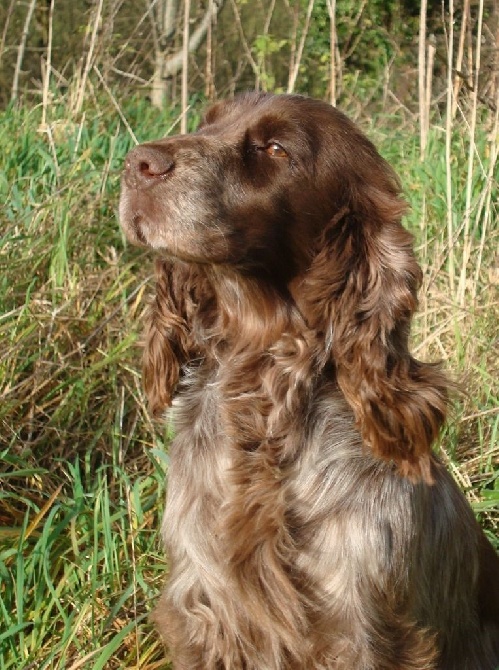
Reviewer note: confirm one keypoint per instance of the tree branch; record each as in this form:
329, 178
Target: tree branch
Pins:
173, 64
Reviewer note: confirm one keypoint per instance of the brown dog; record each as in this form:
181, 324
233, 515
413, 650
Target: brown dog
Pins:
308, 524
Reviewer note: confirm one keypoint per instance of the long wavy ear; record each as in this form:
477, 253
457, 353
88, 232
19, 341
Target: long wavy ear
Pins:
360, 295
169, 341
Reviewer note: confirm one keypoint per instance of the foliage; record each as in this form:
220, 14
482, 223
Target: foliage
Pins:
370, 36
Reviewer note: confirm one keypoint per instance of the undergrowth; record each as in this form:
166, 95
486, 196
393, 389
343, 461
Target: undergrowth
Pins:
82, 466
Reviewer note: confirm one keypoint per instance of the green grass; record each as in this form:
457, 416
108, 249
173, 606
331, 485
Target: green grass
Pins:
81, 475
82, 467
79, 568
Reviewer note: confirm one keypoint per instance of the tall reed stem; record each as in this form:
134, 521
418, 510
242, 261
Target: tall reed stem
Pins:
448, 151
467, 237
185, 67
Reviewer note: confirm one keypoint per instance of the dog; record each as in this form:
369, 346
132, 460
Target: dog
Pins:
308, 523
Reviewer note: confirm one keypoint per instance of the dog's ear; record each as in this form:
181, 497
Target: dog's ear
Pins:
359, 295
168, 341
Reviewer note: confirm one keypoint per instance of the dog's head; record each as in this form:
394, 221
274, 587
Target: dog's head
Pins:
255, 185
286, 190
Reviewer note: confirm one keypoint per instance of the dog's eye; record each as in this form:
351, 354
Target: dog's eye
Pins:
275, 150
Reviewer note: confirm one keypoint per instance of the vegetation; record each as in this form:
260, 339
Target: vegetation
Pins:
82, 466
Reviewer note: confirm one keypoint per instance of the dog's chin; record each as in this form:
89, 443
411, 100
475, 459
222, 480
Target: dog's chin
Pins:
141, 232
139, 224
135, 228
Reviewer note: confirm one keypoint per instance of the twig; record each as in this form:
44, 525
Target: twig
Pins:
423, 111
467, 242
13, 3
48, 65
448, 149
331, 6
208, 75
247, 50
116, 105
460, 54
494, 152
296, 67
89, 60
21, 49
185, 66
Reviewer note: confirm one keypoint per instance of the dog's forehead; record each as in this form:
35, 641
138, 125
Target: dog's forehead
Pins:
269, 112
243, 105
266, 115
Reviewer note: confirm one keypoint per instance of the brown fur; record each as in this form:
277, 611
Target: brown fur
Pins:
308, 524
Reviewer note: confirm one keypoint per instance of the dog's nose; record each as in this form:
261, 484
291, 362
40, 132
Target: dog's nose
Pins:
146, 164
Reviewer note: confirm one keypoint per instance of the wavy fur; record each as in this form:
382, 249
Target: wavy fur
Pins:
308, 523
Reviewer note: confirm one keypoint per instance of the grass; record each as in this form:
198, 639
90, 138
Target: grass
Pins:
82, 474
78, 569
82, 467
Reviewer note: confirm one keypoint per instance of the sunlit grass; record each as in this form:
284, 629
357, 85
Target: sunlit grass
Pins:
82, 467
80, 566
